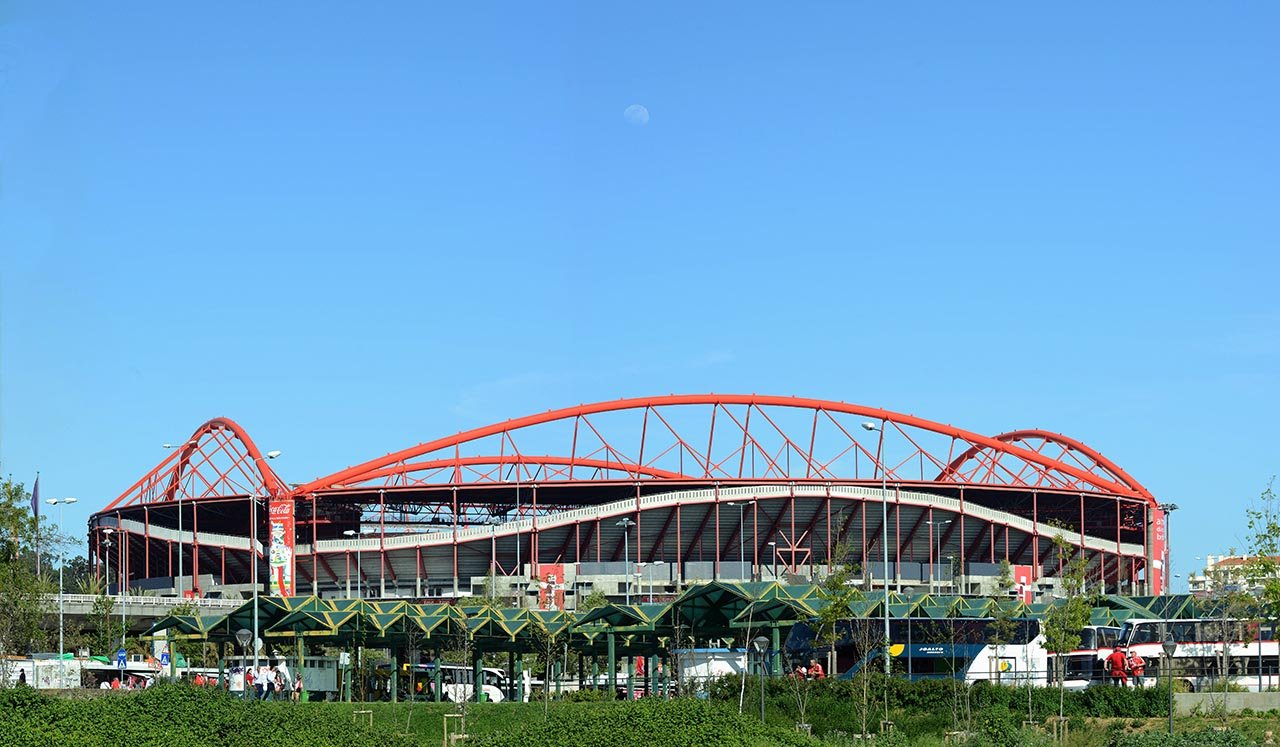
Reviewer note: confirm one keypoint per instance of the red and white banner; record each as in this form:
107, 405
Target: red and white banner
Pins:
1022, 583
550, 586
280, 553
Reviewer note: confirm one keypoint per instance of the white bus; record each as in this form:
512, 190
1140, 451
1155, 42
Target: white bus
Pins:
457, 682
1251, 651
960, 648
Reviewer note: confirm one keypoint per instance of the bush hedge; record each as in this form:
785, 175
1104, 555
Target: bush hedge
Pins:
648, 722
176, 714
1226, 738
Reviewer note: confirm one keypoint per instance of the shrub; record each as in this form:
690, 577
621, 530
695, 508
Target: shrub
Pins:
176, 714
684, 722
1193, 739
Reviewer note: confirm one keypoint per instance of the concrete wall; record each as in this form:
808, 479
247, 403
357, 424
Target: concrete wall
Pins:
1186, 703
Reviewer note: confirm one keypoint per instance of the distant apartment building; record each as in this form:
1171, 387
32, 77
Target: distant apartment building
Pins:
1225, 573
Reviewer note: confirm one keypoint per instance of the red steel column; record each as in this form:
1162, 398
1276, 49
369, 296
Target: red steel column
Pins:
897, 533
679, 550
195, 549
828, 527
716, 570
1035, 533
455, 542
315, 550
382, 544
964, 543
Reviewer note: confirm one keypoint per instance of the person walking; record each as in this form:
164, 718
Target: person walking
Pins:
1116, 663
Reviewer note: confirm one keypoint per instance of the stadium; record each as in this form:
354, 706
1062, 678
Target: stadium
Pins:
638, 497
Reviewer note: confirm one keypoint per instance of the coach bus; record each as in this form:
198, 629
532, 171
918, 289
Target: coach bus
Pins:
961, 648
1251, 651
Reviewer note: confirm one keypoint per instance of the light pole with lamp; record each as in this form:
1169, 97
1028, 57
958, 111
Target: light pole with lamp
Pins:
742, 532
1170, 646
884, 531
761, 645
253, 553
62, 561
120, 584
243, 637
106, 575
650, 567
773, 550
359, 568
626, 525
1168, 509
940, 523
178, 500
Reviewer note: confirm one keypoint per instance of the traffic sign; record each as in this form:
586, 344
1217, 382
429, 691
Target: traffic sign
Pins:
164, 659
121, 658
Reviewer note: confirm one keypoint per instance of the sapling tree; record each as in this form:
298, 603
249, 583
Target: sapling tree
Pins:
840, 599
22, 588
1064, 620
1262, 568
1004, 625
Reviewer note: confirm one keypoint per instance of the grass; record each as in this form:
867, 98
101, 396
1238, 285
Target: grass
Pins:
426, 724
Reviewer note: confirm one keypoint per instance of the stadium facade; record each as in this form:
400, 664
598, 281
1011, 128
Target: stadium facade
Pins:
638, 496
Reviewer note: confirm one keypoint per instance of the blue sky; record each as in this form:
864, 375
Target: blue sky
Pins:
352, 230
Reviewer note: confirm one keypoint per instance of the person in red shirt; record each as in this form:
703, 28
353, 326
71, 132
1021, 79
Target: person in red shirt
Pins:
1137, 667
815, 670
1116, 663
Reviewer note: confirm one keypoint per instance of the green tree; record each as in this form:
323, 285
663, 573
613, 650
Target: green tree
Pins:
593, 600
22, 590
840, 605
1262, 569
1004, 625
547, 649
1064, 621
108, 631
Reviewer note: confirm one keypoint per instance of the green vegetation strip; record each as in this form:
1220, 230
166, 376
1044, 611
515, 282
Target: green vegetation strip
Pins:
923, 712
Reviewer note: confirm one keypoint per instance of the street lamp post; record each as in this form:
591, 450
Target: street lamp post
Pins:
1170, 646
1168, 509
178, 500
939, 524
626, 525
773, 550
253, 553
106, 575
242, 637
650, 566
761, 644
120, 584
62, 561
884, 531
359, 567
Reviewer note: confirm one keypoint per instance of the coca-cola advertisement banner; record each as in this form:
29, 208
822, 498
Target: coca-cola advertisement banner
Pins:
280, 552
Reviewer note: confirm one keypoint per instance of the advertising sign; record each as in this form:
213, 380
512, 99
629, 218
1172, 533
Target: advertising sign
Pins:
280, 552
1022, 578
550, 586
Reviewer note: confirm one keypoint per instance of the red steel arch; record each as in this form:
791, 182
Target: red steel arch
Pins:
988, 460
218, 460
546, 467
778, 450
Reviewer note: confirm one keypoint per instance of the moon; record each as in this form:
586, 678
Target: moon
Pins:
636, 115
